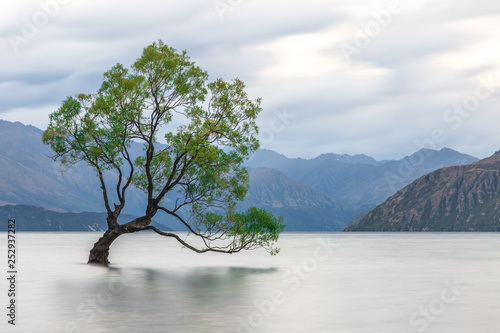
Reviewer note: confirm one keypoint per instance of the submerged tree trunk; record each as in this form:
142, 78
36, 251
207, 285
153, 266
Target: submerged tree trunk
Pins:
100, 252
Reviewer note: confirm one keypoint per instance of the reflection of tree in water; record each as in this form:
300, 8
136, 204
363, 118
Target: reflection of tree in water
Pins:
151, 300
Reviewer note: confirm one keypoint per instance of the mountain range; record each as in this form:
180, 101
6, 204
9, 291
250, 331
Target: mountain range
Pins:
31, 218
359, 182
319, 194
303, 207
458, 198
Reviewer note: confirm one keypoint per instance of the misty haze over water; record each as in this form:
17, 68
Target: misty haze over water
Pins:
320, 282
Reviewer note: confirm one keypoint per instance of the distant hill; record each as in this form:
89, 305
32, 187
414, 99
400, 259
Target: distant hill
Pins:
29, 176
350, 159
323, 193
303, 207
30, 218
359, 182
458, 198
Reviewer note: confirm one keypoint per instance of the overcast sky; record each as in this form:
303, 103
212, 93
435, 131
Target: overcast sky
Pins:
382, 78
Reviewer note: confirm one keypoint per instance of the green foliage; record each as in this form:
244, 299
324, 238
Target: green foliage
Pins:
257, 227
203, 156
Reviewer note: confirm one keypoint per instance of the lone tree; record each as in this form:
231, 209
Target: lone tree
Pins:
162, 88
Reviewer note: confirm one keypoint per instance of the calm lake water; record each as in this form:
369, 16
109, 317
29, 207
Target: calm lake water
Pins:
320, 282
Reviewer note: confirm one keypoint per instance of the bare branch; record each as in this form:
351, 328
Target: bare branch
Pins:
169, 234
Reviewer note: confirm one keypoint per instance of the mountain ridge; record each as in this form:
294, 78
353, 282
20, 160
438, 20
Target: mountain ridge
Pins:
32, 218
305, 208
360, 186
322, 193
455, 198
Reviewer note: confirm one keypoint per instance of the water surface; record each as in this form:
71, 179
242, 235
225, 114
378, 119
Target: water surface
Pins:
320, 282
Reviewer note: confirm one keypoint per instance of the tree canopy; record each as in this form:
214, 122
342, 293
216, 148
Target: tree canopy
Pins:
210, 131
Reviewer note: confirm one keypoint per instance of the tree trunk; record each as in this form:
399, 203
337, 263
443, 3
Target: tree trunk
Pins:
100, 252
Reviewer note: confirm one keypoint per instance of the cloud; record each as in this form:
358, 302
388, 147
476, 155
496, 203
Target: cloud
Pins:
393, 92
